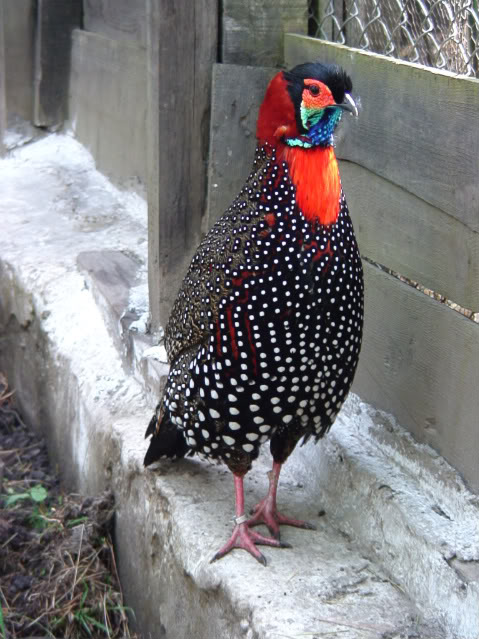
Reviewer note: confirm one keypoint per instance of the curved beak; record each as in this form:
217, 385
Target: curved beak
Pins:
348, 105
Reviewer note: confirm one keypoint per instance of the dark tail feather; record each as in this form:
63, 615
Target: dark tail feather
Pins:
167, 439
152, 425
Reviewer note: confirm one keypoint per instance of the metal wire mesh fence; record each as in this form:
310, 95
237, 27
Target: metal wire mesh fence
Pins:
442, 34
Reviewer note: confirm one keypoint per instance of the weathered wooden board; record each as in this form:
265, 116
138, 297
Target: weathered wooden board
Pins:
56, 20
236, 96
411, 237
107, 104
420, 361
418, 127
252, 32
319, 10
182, 47
18, 21
118, 19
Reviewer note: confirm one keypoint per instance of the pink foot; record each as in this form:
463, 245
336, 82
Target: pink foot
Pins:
266, 513
246, 539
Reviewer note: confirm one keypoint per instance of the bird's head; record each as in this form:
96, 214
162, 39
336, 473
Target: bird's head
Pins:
303, 106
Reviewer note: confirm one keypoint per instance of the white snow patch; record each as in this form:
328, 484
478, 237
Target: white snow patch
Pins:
138, 300
19, 132
50, 190
157, 353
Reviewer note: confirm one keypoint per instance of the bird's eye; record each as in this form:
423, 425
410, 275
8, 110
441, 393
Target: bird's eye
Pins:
313, 89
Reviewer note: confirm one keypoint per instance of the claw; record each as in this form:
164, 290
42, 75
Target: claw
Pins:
285, 544
243, 537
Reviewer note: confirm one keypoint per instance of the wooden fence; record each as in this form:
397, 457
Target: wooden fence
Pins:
149, 98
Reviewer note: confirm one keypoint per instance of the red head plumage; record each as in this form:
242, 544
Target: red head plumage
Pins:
277, 115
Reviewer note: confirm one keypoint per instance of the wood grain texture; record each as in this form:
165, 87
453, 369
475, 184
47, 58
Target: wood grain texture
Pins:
319, 9
411, 237
182, 47
107, 104
18, 34
420, 362
56, 20
236, 96
253, 31
118, 19
418, 128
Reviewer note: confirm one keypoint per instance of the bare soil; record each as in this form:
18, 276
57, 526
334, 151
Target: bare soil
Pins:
57, 565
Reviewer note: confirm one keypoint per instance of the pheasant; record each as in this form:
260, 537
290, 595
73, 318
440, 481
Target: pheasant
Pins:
264, 336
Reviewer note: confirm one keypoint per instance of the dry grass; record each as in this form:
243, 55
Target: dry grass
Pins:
58, 575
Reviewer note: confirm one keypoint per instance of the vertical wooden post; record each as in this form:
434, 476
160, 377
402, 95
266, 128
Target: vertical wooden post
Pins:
19, 20
182, 46
3, 99
252, 32
318, 9
56, 20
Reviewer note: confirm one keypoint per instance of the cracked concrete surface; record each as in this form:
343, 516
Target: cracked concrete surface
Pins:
396, 550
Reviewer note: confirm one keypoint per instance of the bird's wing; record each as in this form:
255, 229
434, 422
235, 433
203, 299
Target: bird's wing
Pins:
224, 255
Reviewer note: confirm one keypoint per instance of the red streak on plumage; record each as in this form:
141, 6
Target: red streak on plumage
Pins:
327, 251
318, 253
270, 219
232, 332
238, 281
315, 174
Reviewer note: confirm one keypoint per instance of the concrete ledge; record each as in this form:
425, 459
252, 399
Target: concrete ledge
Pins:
396, 553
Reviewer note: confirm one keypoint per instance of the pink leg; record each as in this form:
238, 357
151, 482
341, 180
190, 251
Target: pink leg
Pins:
242, 536
266, 512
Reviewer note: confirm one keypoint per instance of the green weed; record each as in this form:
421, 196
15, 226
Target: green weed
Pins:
37, 493
3, 630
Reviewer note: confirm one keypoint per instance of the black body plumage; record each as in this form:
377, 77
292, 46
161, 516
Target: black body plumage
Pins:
265, 334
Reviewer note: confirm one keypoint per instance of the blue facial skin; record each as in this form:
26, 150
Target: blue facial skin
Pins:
320, 126
321, 132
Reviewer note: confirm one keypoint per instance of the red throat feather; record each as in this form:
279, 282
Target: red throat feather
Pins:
315, 174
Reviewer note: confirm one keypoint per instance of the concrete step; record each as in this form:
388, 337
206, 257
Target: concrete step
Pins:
396, 552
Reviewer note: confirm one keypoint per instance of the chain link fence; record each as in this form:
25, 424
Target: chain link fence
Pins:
442, 34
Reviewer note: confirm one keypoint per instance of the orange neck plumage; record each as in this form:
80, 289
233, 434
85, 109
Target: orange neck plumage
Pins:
315, 174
